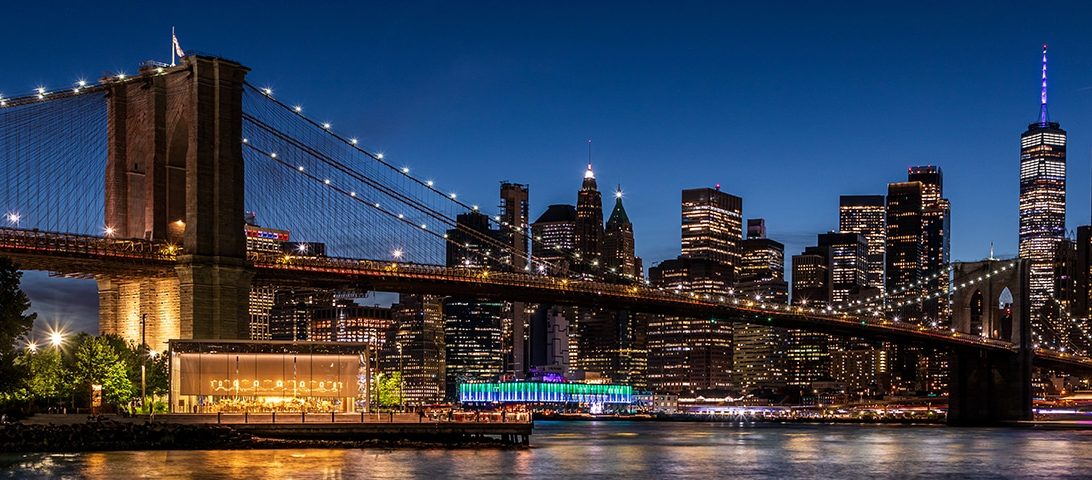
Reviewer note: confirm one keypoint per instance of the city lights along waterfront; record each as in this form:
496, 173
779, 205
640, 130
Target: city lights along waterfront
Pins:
298, 274
629, 450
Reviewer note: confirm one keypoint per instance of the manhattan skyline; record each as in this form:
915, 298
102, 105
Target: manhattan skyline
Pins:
787, 117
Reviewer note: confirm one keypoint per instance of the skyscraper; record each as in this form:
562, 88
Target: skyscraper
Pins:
1042, 217
758, 355
918, 237
472, 243
866, 215
618, 248
346, 321
415, 348
472, 341
515, 207
807, 353
847, 264
472, 326
294, 309
830, 273
589, 224
904, 248
936, 242
690, 356
549, 341
554, 239
810, 279
762, 266
712, 225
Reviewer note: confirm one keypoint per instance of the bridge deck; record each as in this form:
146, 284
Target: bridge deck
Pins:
91, 255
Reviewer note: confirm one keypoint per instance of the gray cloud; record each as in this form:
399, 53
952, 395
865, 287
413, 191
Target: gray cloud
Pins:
71, 304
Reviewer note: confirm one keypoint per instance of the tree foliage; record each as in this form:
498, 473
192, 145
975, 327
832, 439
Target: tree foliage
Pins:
45, 375
15, 323
389, 387
97, 362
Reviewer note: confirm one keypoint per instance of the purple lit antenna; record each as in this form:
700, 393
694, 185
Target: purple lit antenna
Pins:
1043, 117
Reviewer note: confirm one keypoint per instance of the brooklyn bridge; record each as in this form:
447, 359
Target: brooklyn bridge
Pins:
142, 182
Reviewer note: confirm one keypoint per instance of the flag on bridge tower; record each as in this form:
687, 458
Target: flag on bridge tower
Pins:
176, 49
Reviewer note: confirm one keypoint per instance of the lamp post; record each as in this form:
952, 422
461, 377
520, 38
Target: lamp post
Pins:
143, 346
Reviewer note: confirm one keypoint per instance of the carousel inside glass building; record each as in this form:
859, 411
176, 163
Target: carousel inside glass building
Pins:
210, 376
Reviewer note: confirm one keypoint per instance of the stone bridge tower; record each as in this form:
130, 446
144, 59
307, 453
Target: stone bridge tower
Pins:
175, 173
986, 386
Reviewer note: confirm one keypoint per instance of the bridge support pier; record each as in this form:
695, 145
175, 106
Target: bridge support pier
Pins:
215, 297
988, 387
124, 303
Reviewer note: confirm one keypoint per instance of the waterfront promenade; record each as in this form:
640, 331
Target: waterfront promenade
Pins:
391, 429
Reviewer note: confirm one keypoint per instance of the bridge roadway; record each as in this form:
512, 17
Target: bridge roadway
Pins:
88, 256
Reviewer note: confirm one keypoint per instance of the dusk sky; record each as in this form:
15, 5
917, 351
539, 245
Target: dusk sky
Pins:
787, 105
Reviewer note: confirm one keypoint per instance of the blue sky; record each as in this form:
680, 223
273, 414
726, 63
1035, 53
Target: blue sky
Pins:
787, 104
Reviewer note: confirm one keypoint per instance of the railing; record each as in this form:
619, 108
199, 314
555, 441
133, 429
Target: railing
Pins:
47, 243
36, 241
636, 293
348, 417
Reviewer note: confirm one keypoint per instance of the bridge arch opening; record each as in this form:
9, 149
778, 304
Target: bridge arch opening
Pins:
1004, 306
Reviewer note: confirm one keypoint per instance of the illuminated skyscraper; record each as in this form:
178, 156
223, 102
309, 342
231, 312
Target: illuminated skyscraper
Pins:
589, 223
515, 223
554, 239
758, 355
618, 248
904, 248
807, 354
847, 264
472, 326
260, 307
1042, 217
515, 231
472, 341
415, 348
473, 243
712, 225
347, 321
867, 215
936, 234
690, 356
810, 279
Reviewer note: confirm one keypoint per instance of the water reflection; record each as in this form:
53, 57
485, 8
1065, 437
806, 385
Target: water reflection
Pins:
627, 450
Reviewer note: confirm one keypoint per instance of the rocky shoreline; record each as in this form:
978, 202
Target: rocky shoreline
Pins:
109, 435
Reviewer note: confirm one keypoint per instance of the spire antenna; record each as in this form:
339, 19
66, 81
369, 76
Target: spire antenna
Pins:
1043, 117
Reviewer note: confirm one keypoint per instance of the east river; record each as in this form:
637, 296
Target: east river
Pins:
638, 450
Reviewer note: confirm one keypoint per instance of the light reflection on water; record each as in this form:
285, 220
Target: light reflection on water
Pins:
631, 450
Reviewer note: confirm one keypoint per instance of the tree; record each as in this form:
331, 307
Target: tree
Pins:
14, 324
389, 386
97, 362
45, 375
129, 354
157, 375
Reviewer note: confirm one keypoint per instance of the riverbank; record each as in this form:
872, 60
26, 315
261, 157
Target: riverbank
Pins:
113, 435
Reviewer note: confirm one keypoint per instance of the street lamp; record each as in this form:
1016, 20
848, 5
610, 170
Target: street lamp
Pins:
143, 345
56, 338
